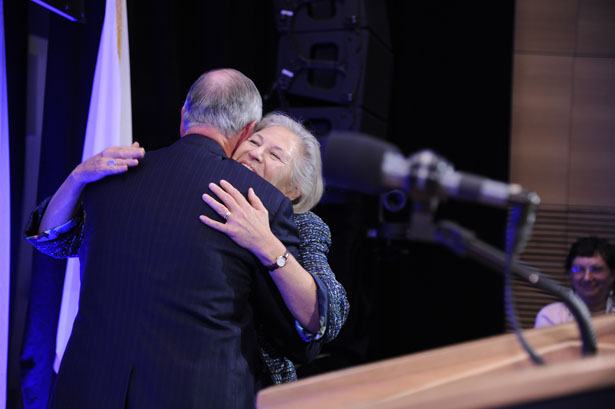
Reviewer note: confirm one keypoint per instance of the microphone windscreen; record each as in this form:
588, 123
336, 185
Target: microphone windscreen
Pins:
353, 161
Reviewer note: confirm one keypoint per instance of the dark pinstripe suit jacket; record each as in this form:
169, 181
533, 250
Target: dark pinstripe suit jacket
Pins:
164, 318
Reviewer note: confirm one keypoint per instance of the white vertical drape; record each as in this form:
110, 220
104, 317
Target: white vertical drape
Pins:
109, 123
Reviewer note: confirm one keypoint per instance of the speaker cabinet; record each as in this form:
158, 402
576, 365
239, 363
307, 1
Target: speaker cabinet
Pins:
299, 16
322, 120
348, 67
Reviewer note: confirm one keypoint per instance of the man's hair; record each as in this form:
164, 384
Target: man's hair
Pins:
224, 99
588, 246
307, 170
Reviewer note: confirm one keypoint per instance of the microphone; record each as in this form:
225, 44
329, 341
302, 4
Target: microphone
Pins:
355, 161
363, 163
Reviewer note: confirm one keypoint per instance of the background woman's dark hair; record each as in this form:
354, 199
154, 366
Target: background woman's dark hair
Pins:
588, 246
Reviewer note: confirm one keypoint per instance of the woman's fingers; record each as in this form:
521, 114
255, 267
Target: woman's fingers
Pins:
104, 166
247, 222
225, 197
235, 194
255, 200
233, 200
125, 152
132, 152
111, 161
117, 162
211, 223
218, 207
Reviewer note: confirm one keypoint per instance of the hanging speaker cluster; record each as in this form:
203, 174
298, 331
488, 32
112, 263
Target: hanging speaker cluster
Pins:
334, 65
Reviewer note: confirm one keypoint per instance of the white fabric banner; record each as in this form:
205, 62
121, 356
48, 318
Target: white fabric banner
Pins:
109, 123
5, 218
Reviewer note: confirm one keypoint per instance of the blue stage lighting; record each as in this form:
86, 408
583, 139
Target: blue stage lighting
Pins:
71, 10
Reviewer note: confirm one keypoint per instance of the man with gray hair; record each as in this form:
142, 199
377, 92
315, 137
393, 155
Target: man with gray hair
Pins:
166, 316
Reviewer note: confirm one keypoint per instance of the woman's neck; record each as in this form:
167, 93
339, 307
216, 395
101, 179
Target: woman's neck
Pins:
597, 308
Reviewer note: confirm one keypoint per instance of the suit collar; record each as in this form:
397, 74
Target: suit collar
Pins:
204, 141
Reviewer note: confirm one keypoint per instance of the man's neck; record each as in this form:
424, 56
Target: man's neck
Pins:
210, 132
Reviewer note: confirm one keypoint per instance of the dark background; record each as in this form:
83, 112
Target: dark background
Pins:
451, 92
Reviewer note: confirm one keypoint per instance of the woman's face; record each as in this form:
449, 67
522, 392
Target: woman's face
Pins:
270, 153
591, 279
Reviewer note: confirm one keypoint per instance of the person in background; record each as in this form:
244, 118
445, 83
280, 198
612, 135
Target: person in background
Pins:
166, 306
590, 265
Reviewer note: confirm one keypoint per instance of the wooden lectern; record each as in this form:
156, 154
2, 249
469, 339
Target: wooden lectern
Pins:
493, 372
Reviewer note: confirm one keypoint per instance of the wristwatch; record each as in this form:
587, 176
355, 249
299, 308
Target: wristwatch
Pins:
279, 262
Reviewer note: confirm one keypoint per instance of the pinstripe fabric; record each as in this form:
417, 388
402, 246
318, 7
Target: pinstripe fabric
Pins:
164, 318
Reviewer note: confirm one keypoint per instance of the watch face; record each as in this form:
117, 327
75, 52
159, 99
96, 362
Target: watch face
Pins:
281, 261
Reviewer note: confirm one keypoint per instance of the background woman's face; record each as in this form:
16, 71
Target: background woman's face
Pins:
270, 153
591, 278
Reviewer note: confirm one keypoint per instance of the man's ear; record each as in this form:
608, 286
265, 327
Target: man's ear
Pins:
182, 131
248, 130
245, 133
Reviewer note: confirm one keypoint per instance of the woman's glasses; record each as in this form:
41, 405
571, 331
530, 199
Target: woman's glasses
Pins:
583, 269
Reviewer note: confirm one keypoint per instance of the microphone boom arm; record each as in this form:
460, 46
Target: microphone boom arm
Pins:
464, 243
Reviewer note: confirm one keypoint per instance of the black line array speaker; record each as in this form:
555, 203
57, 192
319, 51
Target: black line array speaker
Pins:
322, 120
300, 16
334, 72
335, 55
349, 67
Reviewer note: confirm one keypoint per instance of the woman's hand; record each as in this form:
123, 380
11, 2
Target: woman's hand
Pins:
64, 202
111, 161
247, 223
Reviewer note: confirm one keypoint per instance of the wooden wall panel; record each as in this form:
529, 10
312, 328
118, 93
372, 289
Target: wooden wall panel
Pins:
563, 130
540, 124
596, 28
563, 115
592, 147
546, 25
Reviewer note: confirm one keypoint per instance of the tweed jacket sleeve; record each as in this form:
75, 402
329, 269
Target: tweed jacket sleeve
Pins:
315, 239
62, 241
